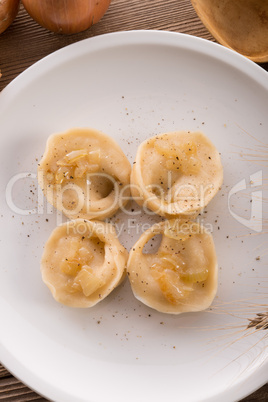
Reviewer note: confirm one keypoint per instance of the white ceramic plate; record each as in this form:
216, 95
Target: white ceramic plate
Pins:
131, 86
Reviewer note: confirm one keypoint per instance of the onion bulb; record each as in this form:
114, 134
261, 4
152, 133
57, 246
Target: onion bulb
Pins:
66, 16
8, 11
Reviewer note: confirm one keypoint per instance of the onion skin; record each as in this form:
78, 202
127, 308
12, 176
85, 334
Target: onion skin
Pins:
66, 16
8, 12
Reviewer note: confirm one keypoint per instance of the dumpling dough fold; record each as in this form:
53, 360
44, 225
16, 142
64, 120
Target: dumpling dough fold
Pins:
176, 174
82, 262
85, 174
182, 275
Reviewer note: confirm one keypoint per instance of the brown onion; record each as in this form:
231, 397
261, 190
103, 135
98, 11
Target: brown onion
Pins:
66, 16
8, 11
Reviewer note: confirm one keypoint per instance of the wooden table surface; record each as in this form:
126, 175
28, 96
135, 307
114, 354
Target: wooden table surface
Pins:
25, 42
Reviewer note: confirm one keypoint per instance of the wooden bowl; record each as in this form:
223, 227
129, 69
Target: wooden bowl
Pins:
241, 25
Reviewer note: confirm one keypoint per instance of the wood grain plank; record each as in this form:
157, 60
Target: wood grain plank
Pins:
12, 389
3, 372
259, 396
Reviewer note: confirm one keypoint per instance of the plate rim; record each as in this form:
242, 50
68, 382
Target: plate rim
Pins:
119, 39
206, 46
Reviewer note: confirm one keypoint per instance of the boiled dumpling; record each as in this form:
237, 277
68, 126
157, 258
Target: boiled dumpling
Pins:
83, 173
176, 174
182, 275
83, 261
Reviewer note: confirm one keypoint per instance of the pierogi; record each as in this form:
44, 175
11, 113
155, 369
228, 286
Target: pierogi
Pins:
82, 262
85, 174
181, 276
176, 174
